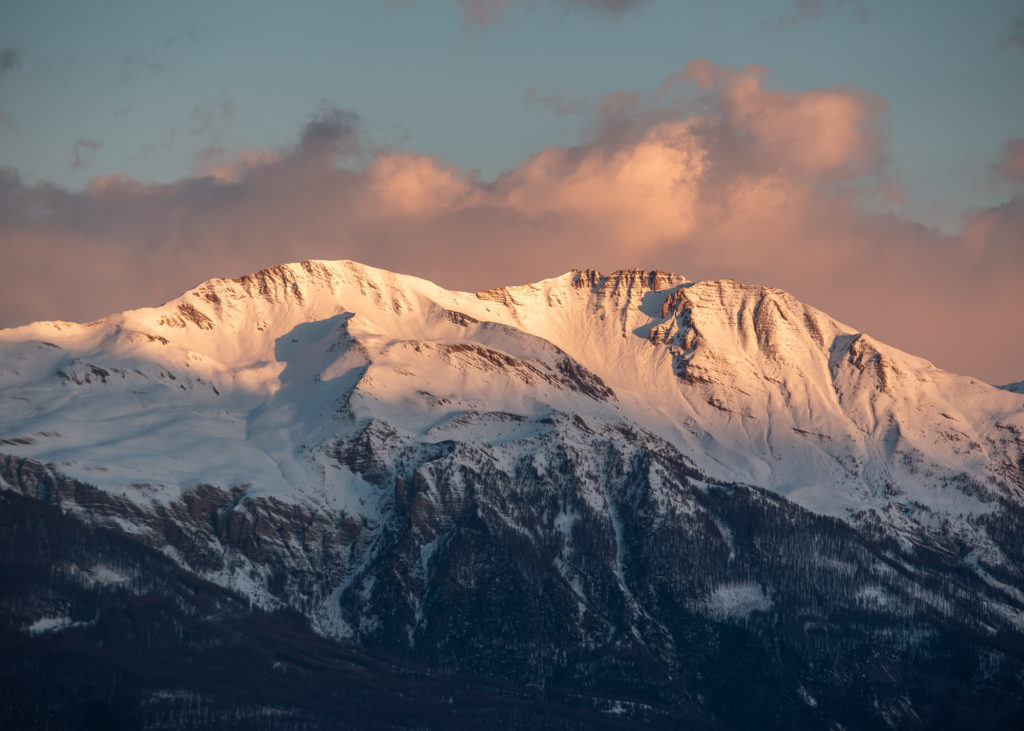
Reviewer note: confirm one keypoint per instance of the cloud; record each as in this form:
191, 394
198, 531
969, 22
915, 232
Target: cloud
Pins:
1010, 163
557, 103
147, 59
84, 152
610, 6
832, 133
331, 132
207, 121
7, 121
211, 118
232, 166
10, 60
715, 174
482, 13
1016, 35
188, 34
132, 63
809, 11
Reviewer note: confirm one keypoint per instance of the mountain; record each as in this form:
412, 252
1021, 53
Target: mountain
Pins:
619, 498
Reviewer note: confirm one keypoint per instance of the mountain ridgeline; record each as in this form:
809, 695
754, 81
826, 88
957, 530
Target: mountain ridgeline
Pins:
326, 495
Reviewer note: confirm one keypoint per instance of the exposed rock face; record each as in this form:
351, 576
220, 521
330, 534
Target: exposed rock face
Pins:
644, 492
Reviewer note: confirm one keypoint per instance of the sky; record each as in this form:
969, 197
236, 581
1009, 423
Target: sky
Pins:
866, 156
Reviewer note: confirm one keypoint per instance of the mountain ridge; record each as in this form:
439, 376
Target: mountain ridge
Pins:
638, 489
744, 354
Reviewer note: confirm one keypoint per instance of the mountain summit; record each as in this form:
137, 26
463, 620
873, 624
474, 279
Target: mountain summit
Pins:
592, 476
746, 381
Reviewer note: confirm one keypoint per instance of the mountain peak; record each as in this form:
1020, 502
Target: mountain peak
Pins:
747, 380
593, 458
653, 279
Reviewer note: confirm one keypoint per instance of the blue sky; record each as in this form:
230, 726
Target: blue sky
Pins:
867, 156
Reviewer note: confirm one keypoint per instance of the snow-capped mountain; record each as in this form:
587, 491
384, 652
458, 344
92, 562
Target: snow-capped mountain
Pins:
613, 470
747, 382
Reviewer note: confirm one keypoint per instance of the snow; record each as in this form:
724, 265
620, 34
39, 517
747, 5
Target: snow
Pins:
806, 697
49, 624
1013, 592
727, 536
100, 574
564, 522
874, 595
251, 381
53, 624
737, 601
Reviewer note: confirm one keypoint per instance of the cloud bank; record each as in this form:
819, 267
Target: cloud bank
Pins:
716, 174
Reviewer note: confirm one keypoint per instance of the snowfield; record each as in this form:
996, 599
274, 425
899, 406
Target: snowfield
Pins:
248, 381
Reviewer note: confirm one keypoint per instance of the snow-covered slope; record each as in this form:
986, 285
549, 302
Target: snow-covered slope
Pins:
628, 476
248, 382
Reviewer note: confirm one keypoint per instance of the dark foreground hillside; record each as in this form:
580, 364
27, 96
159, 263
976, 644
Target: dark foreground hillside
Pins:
131, 640
168, 650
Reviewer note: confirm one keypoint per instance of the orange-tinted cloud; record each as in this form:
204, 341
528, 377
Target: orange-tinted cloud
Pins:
715, 175
835, 132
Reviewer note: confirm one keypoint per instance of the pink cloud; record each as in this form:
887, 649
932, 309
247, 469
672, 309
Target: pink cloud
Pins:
231, 166
837, 132
716, 175
417, 185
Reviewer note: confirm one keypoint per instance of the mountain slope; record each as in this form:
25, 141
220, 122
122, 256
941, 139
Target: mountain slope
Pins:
603, 482
750, 383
